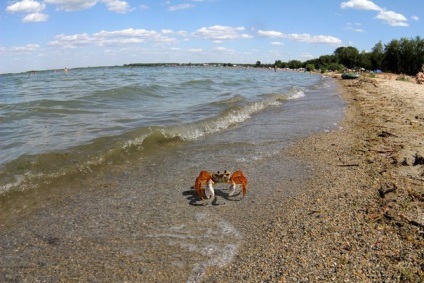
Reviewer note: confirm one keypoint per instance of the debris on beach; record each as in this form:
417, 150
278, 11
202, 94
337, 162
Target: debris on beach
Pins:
420, 76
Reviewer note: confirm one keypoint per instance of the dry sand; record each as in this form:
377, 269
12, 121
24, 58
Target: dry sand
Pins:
361, 218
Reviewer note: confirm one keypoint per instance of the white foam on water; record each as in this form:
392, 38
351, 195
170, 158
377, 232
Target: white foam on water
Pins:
296, 95
214, 239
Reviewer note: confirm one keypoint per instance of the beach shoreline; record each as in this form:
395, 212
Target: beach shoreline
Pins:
343, 204
361, 216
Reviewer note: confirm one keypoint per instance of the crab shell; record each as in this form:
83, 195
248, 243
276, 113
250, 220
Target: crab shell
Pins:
221, 177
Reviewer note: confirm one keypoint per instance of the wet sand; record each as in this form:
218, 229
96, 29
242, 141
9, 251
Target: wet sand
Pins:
342, 206
361, 217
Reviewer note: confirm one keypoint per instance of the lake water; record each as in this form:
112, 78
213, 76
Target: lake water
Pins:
97, 165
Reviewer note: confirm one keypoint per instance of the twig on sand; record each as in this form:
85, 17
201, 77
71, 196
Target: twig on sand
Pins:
348, 165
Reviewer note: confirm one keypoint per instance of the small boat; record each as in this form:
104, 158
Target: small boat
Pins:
350, 76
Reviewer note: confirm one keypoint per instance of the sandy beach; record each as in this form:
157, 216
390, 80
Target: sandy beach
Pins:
361, 218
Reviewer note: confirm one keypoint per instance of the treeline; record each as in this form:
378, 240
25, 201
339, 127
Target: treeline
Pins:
404, 56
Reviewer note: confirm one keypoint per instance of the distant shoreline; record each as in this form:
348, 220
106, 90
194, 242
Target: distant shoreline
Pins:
147, 65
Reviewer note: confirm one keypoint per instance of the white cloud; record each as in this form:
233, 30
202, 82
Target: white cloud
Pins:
32, 8
277, 43
360, 5
389, 17
195, 50
354, 27
221, 33
313, 39
392, 18
72, 5
270, 33
223, 49
20, 49
26, 48
180, 7
35, 17
321, 39
415, 18
26, 6
107, 38
117, 6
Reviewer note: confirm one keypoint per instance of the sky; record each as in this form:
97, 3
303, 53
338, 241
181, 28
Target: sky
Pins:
54, 34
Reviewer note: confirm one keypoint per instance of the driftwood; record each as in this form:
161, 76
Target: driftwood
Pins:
385, 134
384, 191
401, 219
348, 165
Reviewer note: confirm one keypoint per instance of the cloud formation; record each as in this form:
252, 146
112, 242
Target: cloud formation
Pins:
72, 5
388, 17
109, 38
180, 7
218, 32
26, 6
360, 5
392, 18
33, 9
137, 36
304, 37
354, 27
20, 49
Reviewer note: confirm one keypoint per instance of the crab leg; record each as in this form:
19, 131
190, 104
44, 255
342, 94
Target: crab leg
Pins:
239, 179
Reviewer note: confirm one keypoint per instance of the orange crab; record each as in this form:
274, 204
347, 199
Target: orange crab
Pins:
205, 178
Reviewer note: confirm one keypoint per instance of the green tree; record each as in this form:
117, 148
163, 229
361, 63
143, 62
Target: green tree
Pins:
407, 54
336, 67
279, 64
419, 54
377, 54
295, 64
326, 60
310, 67
348, 56
364, 60
391, 58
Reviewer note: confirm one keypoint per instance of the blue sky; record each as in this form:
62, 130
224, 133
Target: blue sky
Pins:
49, 34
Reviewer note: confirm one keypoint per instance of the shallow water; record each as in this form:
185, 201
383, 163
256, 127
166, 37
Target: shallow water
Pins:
57, 124
133, 214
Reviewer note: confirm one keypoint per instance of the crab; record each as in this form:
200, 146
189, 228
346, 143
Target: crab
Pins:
208, 179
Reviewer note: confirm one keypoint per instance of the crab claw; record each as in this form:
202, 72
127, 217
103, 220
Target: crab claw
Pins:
201, 180
232, 189
239, 179
209, 191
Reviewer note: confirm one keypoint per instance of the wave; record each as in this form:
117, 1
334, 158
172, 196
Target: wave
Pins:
199, 82
295, 93
238, 99
30, 171
127, 93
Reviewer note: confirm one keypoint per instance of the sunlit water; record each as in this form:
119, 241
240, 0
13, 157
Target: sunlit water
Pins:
104, 159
